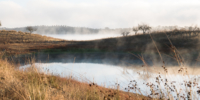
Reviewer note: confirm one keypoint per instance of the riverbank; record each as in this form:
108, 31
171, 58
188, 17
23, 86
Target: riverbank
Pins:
32, 84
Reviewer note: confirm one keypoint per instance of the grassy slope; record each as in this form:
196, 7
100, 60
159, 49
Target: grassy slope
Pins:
13, 42
32, 85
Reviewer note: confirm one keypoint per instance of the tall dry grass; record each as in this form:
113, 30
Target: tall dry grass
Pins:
163, 88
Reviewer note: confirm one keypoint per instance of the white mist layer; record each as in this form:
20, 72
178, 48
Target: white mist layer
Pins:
83, 36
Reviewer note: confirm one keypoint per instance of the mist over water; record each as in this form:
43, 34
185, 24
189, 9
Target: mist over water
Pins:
106, 69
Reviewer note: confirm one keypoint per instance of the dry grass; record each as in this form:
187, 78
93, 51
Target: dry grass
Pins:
30, 84
14, 42
164, 89
23, 37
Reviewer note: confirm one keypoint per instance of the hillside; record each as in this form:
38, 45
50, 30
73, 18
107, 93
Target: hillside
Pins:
143, 42
19, 42
13, 42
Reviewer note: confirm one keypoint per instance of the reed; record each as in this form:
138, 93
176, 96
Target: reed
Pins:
163, 88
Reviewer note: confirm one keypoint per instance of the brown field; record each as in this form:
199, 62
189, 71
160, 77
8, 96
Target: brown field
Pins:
20, 43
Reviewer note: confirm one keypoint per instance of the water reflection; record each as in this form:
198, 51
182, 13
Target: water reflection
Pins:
101, 74
109, 58
143, 78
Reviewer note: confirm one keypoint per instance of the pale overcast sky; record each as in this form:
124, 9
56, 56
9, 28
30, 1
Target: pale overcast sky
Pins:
99, 13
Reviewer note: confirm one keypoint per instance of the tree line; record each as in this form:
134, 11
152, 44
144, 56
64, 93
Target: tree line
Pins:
171, 30
143, 27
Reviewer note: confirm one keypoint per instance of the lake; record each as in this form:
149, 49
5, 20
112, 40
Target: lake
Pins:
113, 69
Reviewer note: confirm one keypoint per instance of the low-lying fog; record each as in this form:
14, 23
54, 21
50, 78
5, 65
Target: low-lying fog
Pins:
75, 33
77, 37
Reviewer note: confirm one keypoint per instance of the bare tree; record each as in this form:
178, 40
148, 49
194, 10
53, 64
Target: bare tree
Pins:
195, 28
190, 28
125, 33
30, 29
144, 28
135, 29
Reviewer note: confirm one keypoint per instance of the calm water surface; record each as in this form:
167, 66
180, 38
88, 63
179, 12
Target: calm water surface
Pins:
109, 75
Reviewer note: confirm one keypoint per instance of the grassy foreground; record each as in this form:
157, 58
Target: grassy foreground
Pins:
31, 85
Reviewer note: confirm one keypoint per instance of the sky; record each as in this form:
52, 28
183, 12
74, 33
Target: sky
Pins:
99, 13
